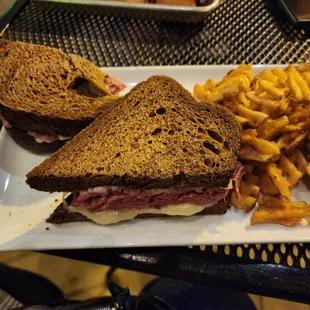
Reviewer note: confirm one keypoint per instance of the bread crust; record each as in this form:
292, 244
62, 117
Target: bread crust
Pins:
44, 124
28, 142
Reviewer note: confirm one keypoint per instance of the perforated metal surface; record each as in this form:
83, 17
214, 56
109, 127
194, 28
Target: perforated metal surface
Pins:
295, 255
252, 31
237, 31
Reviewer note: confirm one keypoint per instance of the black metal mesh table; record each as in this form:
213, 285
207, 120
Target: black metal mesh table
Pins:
237, 31
253, 31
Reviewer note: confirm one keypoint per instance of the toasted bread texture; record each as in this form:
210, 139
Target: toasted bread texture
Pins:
42, 89
61, 215
157, 136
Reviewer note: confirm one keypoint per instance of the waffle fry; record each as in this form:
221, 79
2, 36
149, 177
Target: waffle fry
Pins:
287, 167
281, 74
248, 192
279, 180
235, 81
255, 118
299, 160
270, 128
278, 211
273, 108
266, 185
298, 86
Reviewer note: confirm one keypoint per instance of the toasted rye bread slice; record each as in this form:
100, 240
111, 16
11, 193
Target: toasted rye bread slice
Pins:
157, 136
61, 215
43, 89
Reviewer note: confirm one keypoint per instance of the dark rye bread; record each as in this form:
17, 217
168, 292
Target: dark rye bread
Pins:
28, 142
61, 215
157, 136
43, 89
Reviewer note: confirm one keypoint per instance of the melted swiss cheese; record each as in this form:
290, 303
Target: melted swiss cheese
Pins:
106, 217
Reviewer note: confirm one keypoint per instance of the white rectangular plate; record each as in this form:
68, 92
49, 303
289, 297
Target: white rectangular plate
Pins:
23, 211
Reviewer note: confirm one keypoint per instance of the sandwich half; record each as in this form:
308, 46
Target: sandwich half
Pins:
157, 152
47, 96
